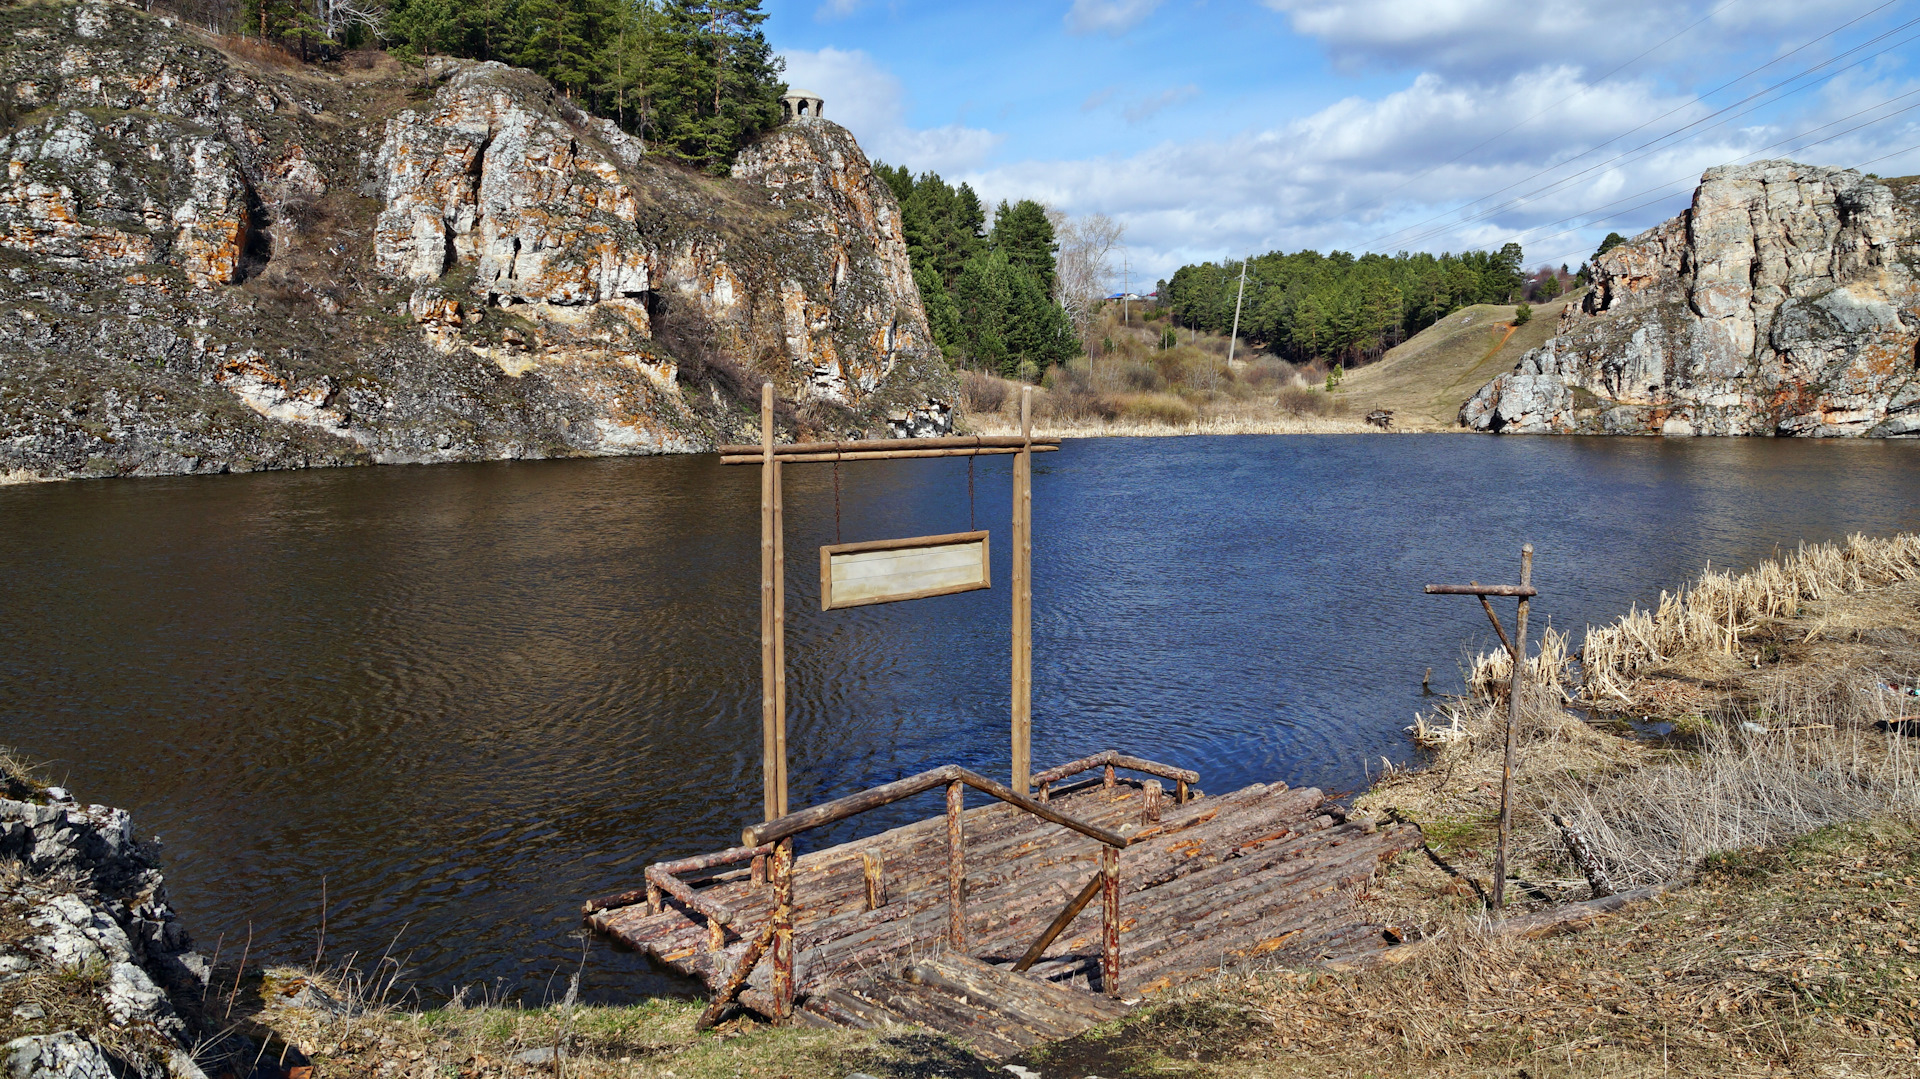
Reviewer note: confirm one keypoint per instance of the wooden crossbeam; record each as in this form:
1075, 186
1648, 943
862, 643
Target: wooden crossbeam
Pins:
1520, 590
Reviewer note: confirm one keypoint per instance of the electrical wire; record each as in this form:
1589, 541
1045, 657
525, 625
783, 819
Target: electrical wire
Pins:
1377, 241
1624, 156
1692, 177
1589, 88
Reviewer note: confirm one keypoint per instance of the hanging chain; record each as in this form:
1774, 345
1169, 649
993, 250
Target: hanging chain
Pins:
970, 527
836, 500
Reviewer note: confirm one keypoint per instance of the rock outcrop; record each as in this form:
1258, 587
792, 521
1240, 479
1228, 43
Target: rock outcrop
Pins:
1784, 302
208, 265
97, 977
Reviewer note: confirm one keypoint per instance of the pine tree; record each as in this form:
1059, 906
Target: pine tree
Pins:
1025, 234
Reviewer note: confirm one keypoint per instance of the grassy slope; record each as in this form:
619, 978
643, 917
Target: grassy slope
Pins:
1427, 378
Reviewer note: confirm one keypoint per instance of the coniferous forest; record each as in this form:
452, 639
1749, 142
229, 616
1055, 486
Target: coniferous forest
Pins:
696, 79
1336, 308
988, 292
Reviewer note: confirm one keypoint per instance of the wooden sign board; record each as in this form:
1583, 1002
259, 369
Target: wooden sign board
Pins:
888, 571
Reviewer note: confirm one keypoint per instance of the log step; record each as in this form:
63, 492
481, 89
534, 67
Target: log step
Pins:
997, 1013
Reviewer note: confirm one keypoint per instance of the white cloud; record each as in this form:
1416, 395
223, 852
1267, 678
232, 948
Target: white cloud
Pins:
1367, 174
1108, 16
1147, 107
1490, 37
868, 100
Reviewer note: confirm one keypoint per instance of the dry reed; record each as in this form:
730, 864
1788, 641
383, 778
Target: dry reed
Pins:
1722, 608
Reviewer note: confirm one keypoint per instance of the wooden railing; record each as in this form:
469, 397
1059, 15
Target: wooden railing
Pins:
768, 846
1183, 778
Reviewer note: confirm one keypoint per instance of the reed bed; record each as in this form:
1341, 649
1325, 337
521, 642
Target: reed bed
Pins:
1721, 608
1706, 620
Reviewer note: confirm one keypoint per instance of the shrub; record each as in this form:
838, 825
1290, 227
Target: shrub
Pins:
981, 392
1522, 315
1160, 408
1080, 403
1301, 401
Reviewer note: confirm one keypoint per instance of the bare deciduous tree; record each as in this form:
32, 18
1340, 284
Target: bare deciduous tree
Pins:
1085, 264
336, 15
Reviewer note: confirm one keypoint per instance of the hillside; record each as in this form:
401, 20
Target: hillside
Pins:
210, 263
1426, 378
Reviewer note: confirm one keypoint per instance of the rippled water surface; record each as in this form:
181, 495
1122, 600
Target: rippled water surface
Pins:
467, 697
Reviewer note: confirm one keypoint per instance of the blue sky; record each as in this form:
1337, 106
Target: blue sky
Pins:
1216, 127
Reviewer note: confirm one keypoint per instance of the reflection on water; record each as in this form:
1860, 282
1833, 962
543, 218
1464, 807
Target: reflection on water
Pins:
467, 697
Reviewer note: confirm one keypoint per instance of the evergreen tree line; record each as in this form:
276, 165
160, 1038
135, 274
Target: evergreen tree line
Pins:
988, 291
1336, 308
694, 79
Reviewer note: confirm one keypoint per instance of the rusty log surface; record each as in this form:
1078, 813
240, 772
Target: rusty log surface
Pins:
1265, 874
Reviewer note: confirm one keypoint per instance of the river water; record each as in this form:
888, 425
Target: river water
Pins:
461, 699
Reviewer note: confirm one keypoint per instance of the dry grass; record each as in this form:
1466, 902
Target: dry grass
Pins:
1426, 379
1721, 610
1134, 382
1792, 961
349, 1028
19, 777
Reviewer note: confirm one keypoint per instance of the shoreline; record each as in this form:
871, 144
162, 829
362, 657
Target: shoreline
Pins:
1773, 916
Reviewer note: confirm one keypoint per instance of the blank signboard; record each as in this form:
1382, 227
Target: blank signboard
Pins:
887, 571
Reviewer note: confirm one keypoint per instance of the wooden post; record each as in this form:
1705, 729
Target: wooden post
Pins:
956, 866
1110, 920
1023, 599
773, 763
875, 872
783, 928
779, 640
1515, 687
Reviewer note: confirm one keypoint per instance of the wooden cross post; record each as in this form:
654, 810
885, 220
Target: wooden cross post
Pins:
1023, 598
773, 621
1517, 653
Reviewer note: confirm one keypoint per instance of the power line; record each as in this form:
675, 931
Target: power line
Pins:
1521, 200
1648, 123
1689, 177
1754, 153
1558, 104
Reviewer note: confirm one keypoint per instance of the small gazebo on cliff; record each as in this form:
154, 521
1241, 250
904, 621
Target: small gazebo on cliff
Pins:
798, 104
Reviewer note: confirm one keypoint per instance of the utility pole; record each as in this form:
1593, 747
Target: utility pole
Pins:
1126, 290
1234, 338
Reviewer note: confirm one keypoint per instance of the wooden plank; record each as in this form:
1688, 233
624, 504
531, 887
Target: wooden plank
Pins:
940, 443
881, 455
1521, 590
988, 1033
1013, 995
889, 571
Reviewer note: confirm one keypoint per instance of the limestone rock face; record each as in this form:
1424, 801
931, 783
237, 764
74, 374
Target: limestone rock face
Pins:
93, 906
1781, 303
207, 266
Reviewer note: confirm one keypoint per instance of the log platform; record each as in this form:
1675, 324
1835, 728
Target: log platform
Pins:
983, 925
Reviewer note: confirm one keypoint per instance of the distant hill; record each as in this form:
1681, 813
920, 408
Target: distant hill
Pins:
1426, 378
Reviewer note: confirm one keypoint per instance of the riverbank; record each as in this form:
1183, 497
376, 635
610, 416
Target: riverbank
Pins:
1790, 943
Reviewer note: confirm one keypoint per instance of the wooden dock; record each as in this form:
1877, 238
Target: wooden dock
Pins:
983, 924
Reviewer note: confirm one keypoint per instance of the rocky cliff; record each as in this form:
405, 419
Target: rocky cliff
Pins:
98, 979
1783, 302
208, 265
